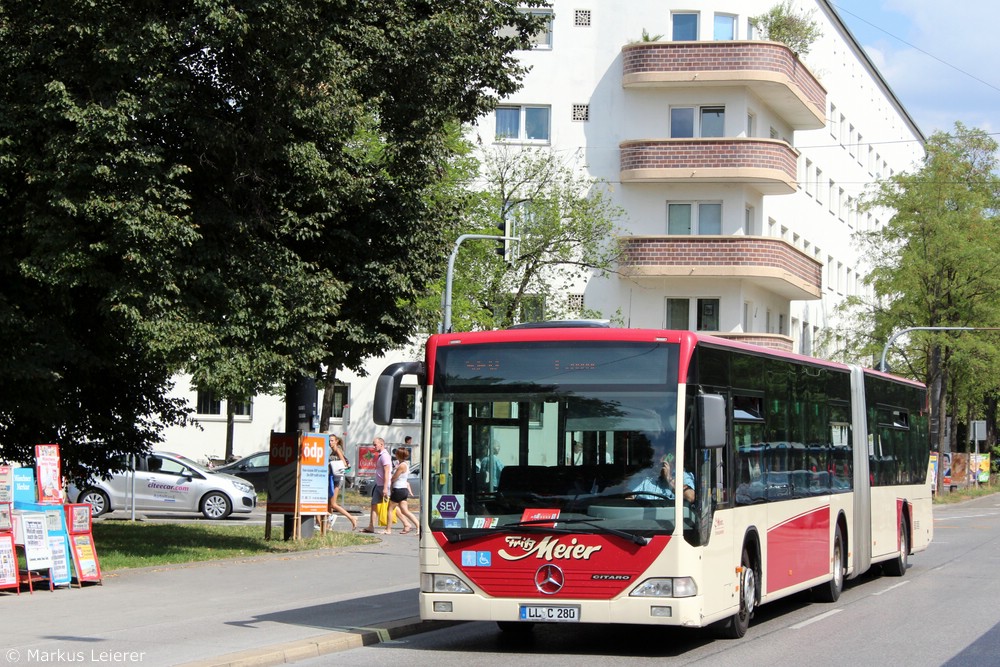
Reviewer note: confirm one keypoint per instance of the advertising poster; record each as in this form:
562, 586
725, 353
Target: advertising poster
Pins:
282, 473
6, 524
366, 460
314, 479
24, 485
85, 558
60, 573
34, 535
8, 562
78, 518
49, 474
6, 484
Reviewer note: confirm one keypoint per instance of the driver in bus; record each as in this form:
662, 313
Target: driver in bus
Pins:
664, 484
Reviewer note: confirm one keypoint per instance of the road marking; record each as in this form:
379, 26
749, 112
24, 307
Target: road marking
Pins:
970, 516
902, 583
814, 619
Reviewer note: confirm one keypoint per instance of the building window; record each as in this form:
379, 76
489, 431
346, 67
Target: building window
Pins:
725, 27
748, 221
694, 218
523, 123
819, 186
341, 399
678, 314
708, 315
711, 122
685, 26
541, 39
241, 408
406, 404
208, 403
808, 177
747, 311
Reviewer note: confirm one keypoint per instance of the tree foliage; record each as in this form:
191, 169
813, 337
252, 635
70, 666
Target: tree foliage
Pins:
241, 191
783, 24
936, 263
567, 229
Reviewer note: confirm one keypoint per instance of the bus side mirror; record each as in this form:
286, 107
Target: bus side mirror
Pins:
712, 412
387, 389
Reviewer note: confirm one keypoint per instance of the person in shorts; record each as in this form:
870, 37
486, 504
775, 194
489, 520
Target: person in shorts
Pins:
399, 493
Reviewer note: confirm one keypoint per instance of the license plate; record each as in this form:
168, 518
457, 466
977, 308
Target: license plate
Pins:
550, 614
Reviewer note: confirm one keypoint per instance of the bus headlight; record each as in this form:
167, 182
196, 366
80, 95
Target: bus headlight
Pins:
443, 583
666, 587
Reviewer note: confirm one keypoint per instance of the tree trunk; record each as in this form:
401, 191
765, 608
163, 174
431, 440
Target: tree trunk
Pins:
230, 412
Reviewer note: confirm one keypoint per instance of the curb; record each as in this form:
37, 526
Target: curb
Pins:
343, 640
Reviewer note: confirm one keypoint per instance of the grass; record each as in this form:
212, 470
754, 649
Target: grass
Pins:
960, 495
123, 544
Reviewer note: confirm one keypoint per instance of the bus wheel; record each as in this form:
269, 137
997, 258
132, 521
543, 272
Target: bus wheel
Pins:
830, 591
736, 625
897, 566
515, 627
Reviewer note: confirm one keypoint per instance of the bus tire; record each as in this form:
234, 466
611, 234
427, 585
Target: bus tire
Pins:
897, 566
830, 591
736, 625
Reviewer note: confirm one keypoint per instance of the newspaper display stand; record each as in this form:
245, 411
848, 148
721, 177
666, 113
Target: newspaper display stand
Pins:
9, 575
81, 542
57, 540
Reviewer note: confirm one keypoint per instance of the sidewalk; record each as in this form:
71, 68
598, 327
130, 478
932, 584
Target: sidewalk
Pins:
263, 610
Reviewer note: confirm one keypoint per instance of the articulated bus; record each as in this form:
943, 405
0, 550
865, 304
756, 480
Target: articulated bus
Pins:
601, 475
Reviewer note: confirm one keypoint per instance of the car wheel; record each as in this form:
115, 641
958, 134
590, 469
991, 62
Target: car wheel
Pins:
215, 505
98, 501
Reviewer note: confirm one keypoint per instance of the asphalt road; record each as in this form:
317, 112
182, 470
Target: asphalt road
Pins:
944, 611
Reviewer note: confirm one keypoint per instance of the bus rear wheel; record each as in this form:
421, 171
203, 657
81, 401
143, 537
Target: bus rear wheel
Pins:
830, 591
736, 625
897, 566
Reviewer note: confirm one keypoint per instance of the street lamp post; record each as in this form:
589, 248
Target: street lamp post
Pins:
882, 365
446, 302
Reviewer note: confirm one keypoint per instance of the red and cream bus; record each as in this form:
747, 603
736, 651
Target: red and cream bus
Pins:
553, 456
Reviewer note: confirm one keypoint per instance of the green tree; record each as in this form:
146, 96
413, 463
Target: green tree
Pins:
241, 191
935, 263
566, 223
783, 24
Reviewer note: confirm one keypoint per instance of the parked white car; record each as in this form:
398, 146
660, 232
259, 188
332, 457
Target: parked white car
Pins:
167, 482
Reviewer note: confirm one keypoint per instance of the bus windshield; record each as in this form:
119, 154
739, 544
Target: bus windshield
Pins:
582, 434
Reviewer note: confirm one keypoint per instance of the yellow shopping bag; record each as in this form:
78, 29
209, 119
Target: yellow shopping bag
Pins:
383, 512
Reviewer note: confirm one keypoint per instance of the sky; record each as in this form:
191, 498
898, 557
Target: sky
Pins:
941, 59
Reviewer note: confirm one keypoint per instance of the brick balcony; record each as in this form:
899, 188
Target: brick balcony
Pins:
770, 70
768, 164
773, 264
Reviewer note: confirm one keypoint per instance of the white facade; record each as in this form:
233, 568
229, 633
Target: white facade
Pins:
790, 149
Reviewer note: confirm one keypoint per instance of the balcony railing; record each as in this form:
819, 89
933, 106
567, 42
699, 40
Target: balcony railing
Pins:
769, 69
768, 164
773, 264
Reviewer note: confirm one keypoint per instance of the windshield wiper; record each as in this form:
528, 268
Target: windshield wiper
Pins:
545, 526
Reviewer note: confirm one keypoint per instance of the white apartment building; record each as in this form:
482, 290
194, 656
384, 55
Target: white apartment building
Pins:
738, 165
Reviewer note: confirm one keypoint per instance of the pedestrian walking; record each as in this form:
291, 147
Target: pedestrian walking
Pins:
380, 490
338, 467
399, 492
